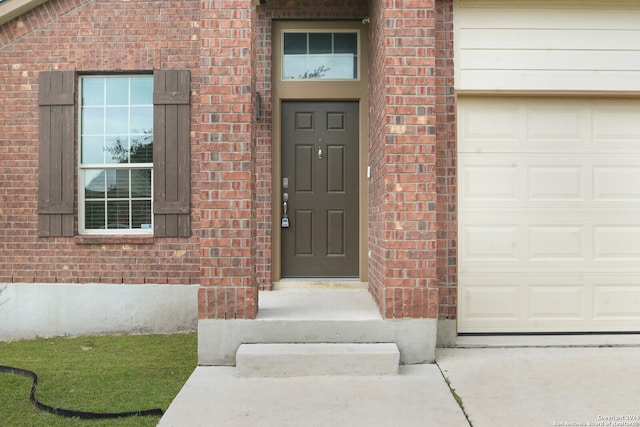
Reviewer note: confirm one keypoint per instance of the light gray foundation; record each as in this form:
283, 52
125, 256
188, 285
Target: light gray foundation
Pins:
447, 333
46, 310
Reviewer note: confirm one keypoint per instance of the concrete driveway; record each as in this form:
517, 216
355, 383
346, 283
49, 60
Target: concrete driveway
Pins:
216, 396
588, 386
514, 387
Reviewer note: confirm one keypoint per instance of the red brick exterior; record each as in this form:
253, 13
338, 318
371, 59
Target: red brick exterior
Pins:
446, 208
227, 198
226, 44
403, 202
87, 36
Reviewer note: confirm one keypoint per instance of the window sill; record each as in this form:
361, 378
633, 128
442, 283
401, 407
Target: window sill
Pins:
114, 240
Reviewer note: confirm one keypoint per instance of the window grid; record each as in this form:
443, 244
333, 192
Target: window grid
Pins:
318, 65
116, 195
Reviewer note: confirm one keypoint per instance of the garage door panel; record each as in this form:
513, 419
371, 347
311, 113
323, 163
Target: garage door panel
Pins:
616, 124
512, 302
556, 301
616, 243
533, 241
566, 125
617, 300
491, 182
557, 125
556, 243
548, 224
495, 123
616, 183
507, 243
565, 302
491, 242
555, 183
497, 303
523, 180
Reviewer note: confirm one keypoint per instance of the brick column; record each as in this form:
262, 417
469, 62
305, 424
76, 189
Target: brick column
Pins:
402, 224
227, 176
446, 161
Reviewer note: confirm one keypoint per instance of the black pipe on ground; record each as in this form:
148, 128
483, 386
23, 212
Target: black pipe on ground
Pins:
68, 413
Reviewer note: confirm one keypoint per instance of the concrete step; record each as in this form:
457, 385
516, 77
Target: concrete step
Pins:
316, 316
300, 360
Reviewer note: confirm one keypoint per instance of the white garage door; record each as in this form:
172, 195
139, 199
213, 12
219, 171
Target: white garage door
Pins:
549, 214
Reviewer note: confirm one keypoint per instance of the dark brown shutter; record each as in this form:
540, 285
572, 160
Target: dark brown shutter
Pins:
171, 153
56, 169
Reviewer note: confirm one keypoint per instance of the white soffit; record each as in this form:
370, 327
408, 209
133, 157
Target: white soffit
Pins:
10, 9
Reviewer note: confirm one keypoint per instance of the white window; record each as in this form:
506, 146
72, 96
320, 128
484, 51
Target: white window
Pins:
116, 155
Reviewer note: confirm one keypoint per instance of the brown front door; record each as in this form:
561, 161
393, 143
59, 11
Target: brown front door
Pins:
320, 184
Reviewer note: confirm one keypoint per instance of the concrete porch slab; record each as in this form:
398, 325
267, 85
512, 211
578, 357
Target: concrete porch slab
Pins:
416, 397
315, 316
317, 304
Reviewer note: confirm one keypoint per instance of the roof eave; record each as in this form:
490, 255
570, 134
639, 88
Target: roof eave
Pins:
13, 8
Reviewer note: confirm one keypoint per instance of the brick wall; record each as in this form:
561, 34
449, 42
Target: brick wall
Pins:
446, 162
377, 139
403, 221
87, 36
227, 203
227, 46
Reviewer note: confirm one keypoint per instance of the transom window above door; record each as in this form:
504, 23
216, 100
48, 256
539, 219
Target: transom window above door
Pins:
320, 55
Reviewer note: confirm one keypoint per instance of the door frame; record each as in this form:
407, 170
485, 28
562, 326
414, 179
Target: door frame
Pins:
318, 90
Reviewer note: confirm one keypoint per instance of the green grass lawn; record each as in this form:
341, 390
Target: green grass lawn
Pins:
95, 374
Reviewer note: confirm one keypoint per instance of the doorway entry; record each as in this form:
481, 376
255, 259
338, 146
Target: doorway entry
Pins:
320, 189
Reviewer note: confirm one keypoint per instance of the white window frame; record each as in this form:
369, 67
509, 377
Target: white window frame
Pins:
106, 166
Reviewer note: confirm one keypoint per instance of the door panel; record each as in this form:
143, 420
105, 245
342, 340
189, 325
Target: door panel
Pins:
320, 161
304, 169
335, 164
335, 233
304, 238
